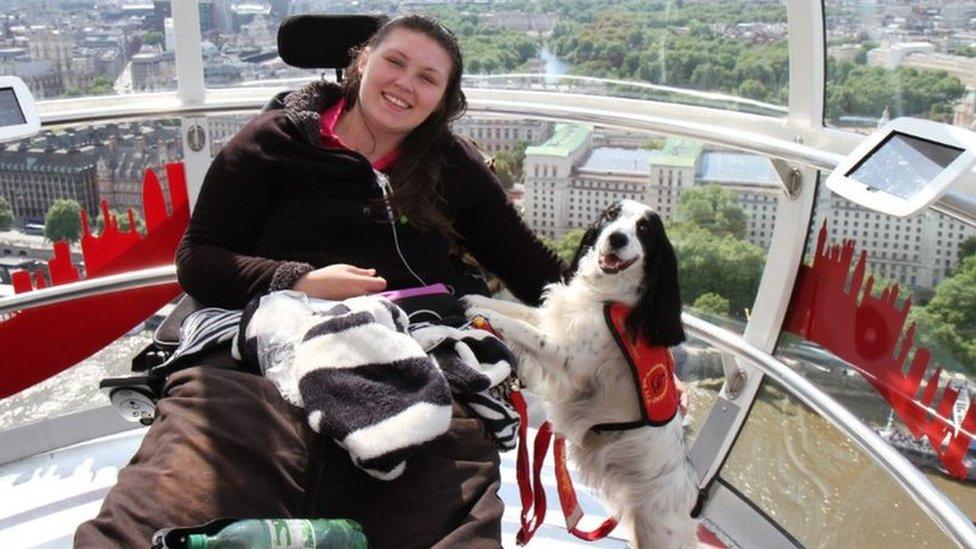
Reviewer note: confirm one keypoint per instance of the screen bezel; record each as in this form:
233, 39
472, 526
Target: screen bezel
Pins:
20, 110
28, 108
887, 139
877, 199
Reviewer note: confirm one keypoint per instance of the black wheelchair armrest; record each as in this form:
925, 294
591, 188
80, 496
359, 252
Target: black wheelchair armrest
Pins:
167, 335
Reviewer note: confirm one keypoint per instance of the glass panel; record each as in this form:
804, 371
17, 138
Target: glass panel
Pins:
46, 180
719, 205
667, 51
75, 389
727, 54
239, 41
888, 333
886, 60
699, 367
811, 480
68, 49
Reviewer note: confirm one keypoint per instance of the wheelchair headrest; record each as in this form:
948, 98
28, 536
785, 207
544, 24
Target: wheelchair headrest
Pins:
321, 41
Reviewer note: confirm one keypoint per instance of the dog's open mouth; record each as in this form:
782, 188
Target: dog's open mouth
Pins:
612, 264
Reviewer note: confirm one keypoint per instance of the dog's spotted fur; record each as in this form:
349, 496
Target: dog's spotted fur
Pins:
568, 357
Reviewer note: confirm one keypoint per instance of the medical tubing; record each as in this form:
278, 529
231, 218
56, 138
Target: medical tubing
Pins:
384, 184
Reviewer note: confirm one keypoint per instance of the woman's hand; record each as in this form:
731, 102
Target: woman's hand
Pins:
340, 281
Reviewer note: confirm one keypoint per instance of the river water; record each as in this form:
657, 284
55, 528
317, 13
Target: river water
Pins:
553, 65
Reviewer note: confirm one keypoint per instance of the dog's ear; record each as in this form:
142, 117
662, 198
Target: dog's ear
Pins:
657, 315
589, 238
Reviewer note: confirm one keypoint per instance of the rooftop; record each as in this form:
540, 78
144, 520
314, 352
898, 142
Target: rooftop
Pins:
565, 139
734, 167
620, 161
679, 153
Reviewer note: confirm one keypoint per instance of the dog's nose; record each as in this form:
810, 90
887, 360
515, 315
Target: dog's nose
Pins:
618, 239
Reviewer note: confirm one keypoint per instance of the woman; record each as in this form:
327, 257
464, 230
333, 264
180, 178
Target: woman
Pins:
292, 202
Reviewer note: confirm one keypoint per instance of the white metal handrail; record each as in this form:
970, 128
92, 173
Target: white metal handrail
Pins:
933, 502
552, 79
621, 113
88, 288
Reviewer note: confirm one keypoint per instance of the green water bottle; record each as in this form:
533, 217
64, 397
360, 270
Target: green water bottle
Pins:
283, 534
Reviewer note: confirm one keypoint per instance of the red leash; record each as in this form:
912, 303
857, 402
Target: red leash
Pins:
531, 491
570, 505
533, 497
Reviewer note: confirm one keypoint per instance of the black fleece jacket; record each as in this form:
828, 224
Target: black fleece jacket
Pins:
275, 203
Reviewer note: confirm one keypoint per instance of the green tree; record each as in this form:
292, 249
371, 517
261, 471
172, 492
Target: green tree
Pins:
967, 248
717, 263
711, 303
566, 246
504, 170
63, 221
948, 323
712, 208
6, 215
508, 165
152, 38
101, 86
966, 51
753, 89
123, 220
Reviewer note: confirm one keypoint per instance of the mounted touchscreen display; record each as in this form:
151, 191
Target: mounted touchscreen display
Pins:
903, 165
18, 111
10, 111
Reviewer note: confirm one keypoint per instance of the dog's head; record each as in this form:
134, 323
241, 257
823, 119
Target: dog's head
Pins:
625, 256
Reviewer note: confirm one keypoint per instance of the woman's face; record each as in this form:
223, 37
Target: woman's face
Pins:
403, 81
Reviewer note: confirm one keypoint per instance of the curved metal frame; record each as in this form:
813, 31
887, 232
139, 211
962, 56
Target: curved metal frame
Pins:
798, 140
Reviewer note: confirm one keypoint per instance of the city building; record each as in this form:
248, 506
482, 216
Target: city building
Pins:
844, 52
244, 13
503, 134
39, 76
31, 179
570, 179
547, 171
965, 112
918, 251
922, 56
892, 55
525, 22
125, 152
159, 10
153, 70
671, 171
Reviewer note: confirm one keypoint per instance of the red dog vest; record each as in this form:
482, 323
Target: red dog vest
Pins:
653, 371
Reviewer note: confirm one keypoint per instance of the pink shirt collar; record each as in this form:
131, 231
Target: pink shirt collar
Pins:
329, 118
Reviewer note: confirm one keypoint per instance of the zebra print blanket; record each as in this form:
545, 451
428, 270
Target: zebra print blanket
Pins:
377, 385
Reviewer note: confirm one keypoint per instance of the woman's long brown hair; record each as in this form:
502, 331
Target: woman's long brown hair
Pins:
416, 175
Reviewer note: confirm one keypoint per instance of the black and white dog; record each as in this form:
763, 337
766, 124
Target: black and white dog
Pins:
568, 356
